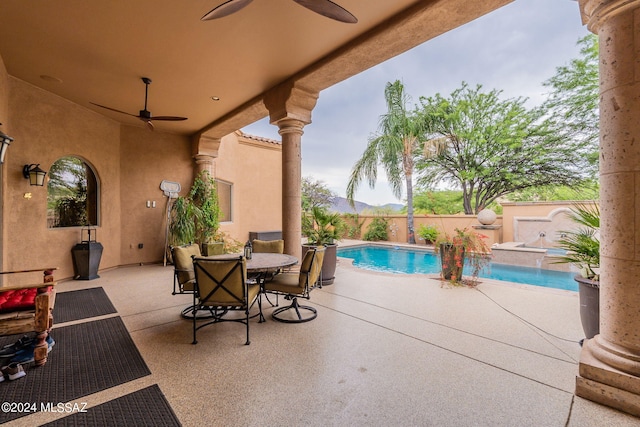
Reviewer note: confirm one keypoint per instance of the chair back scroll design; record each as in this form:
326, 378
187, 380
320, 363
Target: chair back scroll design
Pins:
221, 286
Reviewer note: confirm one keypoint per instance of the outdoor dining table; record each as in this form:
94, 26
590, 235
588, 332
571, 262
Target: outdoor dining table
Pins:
268, 262
262, 265
263, 262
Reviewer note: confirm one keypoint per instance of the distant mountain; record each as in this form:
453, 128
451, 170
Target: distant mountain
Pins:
341, 205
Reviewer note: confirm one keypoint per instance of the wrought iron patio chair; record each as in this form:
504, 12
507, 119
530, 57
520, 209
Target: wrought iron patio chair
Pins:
294, 286
220, 287
268, 246
183, 276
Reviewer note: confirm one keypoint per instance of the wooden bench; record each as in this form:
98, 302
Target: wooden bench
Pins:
29, 308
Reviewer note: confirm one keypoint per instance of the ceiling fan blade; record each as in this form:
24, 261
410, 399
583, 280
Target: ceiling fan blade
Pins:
113, 109
226, 8
168, 118
149, 124
329, 9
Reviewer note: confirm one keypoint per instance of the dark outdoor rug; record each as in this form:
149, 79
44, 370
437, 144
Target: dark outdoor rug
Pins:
87, 358
82, 304
146, 407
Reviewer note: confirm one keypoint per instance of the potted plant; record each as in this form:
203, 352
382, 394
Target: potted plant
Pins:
428, 233
462, 247
323, 228
195, 217
583, 251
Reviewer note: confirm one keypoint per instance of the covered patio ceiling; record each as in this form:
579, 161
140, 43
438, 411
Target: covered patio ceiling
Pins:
97, 52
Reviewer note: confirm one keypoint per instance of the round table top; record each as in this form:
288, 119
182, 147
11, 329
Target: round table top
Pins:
268, 261
262, 261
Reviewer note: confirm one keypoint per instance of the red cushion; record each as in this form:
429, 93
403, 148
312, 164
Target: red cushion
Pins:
20, 299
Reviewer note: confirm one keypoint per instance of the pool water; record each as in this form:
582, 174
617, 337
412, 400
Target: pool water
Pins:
407, 261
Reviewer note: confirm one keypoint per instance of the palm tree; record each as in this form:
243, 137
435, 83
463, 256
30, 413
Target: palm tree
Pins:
399, 139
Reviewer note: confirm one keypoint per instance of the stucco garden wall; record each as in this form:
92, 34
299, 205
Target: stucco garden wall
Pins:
520, 221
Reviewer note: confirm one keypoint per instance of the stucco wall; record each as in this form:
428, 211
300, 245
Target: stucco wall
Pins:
547, 217
520, 221
4, 98
254, 167
46, 127
4, 119
147, 159
129, 162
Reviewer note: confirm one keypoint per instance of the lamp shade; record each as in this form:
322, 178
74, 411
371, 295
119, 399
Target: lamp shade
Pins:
34, 174
5, 141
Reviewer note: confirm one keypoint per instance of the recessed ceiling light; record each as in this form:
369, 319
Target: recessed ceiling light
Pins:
50, 79
215, 98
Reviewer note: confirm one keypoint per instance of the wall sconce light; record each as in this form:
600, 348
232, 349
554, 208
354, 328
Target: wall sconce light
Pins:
5, 140
34, 174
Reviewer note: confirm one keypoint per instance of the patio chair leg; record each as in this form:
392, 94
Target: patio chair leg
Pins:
195, 310
247, 314
261, 319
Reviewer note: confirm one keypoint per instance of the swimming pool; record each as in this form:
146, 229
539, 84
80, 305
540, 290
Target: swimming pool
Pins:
408, 261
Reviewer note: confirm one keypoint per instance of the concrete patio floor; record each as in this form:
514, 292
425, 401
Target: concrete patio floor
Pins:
385, 349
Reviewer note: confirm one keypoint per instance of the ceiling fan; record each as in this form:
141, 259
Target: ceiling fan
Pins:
323, 7
145, 115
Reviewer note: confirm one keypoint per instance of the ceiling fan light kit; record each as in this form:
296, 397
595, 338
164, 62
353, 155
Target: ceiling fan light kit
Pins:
323, 7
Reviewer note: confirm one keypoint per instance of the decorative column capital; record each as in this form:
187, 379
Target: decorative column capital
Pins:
288, 101
290, 126
203, 145
595, 12
204, 150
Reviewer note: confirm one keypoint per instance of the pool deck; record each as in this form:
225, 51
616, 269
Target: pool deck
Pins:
385, 350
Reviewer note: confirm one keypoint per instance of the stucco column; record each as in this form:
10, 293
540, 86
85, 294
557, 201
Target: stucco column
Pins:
290, 109
609, 371
204, 162
204, 150
291, 131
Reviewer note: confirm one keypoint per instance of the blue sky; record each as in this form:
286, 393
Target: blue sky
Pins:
514, 49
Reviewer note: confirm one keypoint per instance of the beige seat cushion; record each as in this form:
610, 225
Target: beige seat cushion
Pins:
183, 263
285, 283
268, 246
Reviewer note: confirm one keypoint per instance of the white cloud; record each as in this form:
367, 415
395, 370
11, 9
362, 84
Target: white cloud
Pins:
513, 49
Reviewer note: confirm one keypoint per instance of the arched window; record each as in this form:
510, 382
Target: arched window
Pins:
72, 194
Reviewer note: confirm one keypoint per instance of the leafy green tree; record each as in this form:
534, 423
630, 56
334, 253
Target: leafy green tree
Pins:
196, 217
490, 147
67, 193
589, 191
573, 104
446, 202
395, 147
204, 198
377, 230
315, 193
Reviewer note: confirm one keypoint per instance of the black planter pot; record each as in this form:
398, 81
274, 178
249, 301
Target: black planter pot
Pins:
329, 263
86, 260
589, 291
